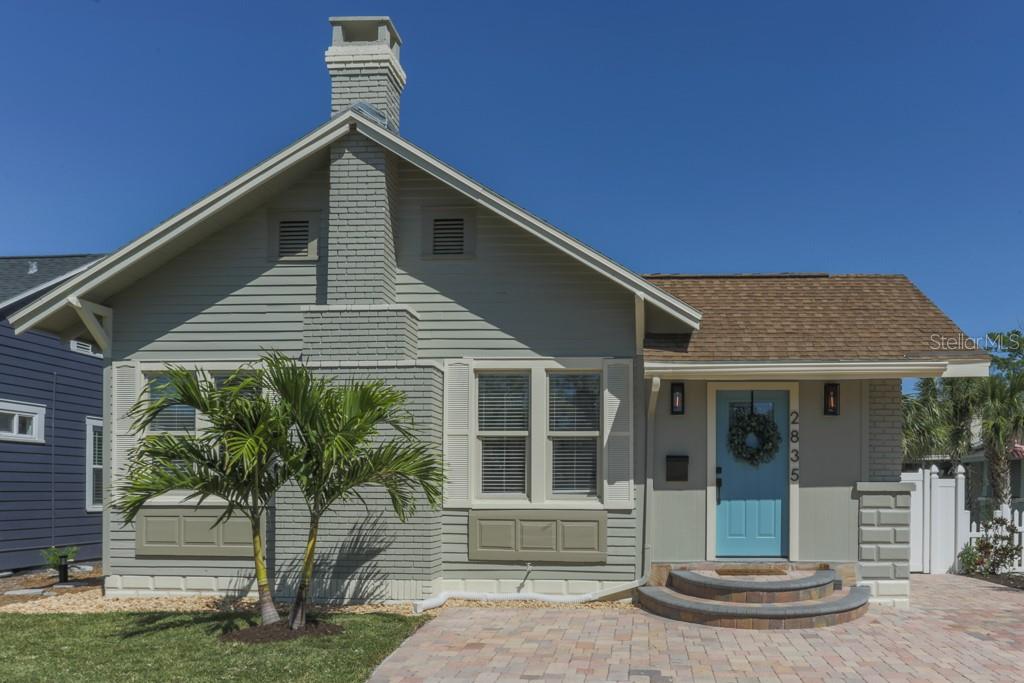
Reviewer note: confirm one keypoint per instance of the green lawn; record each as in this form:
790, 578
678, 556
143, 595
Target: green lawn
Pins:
183, 647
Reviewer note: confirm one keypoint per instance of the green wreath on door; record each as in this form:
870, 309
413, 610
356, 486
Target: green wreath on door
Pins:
765, 433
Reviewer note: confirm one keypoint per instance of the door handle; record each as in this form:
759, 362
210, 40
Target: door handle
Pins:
718, 485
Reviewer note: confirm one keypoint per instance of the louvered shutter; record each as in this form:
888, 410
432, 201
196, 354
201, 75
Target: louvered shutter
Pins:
124, 394
618, 434
458, 379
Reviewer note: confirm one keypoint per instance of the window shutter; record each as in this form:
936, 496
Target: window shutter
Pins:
125, 392
618, 434
449, 237
293, 239
458, 377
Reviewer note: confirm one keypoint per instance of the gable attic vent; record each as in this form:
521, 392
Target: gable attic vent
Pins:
293, 239
449, 237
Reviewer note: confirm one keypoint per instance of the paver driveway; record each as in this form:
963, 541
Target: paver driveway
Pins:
959, 629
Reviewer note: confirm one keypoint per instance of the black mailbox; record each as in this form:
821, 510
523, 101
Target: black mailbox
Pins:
677, 468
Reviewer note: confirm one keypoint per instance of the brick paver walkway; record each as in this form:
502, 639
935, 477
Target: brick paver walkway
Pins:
958, 629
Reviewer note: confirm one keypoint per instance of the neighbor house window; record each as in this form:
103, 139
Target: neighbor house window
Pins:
503, 428
93, 464
574, 429
22, 421
173, 418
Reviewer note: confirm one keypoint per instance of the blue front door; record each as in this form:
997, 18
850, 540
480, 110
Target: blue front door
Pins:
752, 514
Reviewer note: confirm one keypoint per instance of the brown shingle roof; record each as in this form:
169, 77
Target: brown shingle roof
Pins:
804, 317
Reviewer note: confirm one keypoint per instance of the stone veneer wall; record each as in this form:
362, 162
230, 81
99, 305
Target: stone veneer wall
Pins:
884, 533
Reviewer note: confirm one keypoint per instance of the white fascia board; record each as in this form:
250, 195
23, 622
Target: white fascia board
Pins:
725, 370
101, 271
538, 228
967, 368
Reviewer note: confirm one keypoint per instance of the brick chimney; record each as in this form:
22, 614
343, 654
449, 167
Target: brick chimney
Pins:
363, 63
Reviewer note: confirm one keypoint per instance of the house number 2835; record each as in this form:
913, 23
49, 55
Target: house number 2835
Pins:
794, 453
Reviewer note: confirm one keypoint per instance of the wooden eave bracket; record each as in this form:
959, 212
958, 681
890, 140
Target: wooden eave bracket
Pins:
98, 320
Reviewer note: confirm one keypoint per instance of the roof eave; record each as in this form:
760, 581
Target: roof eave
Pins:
36, 313
816, 370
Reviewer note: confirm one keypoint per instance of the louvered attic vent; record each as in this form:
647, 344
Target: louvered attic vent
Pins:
293, 239
449, 237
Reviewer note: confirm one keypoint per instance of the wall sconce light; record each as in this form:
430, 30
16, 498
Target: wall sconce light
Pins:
832, 398
677, 398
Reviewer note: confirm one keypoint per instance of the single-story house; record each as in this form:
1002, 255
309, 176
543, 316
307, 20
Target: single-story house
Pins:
587, 415
51, 424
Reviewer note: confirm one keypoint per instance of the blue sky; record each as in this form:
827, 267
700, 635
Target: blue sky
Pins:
675, 137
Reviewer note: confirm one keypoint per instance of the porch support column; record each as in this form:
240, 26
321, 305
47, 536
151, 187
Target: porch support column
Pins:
884, 540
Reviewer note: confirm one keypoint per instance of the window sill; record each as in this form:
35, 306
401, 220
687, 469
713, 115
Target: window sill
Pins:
527, 505
21, 439
93, 508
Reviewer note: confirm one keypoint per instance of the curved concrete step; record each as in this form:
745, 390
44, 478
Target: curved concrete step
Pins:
815, 586
838, 608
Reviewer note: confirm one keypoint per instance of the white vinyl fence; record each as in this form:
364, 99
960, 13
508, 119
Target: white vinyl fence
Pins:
939, 520
940, 523
1016, 517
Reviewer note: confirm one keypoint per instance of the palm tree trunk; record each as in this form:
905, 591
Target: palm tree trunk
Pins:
268, 613
999, 477
297, 618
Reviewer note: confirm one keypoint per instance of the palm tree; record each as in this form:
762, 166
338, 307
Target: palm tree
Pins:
1002, 416
939, 419
238, 455
342, 447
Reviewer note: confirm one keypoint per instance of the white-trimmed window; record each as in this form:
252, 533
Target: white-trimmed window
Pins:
574, 432
93, 464
503, 433
173, 418
22, 422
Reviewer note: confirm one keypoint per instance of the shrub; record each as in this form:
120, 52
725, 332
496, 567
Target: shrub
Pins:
51, 555
995, 551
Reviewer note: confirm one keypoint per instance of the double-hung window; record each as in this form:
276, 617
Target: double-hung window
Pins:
574, 431
174, 417
503, 431
22, 422
93, 464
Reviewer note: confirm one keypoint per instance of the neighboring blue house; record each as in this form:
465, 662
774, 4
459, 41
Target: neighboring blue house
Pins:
51, 425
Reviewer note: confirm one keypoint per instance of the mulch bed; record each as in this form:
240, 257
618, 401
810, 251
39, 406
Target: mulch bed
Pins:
1008, 580
279, 632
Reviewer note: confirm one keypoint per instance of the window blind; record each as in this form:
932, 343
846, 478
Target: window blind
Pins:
503, 464
574, 402
574, 465
173, 418
503, 403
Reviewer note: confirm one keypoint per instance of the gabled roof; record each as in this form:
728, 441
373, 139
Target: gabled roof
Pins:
24, 276
808, 317
123, 266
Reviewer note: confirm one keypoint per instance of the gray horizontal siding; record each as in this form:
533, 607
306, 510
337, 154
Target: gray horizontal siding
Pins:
223, 298
516, 296
42, 486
